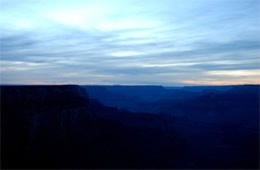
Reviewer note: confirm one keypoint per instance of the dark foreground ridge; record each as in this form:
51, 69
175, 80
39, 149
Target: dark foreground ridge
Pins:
39, 97
130, 127
59, 127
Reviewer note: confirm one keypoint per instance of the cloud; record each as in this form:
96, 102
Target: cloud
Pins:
235, 73
122, 42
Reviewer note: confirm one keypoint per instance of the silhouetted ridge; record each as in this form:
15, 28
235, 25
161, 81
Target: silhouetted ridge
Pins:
59, 127
140, 93
190, 128
245, 90
40, 97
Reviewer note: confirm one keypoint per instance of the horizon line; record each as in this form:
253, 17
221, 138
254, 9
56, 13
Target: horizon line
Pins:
70, 84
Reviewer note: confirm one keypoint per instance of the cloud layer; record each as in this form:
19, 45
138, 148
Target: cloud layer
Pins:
171, 42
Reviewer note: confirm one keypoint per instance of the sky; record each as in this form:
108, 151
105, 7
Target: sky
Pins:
133, 42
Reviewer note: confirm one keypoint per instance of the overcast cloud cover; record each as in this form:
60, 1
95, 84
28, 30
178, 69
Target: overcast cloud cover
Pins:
167, 42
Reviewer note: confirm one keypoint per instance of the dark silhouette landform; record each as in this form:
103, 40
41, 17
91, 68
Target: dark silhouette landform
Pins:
115, 127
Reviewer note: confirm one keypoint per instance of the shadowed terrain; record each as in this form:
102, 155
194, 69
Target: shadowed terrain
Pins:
59, 127
130, 127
